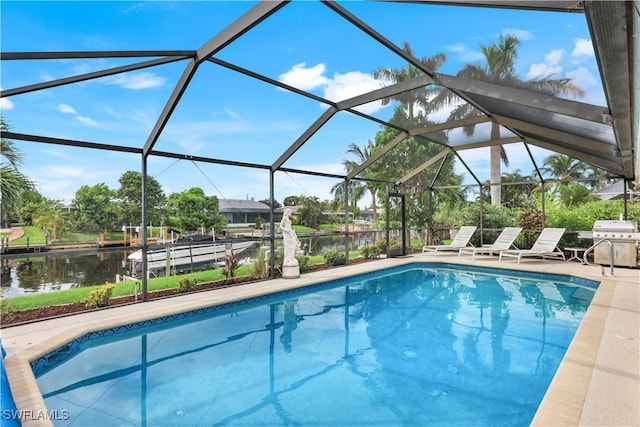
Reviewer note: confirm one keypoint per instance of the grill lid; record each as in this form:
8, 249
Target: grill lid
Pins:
630, 226
616, 229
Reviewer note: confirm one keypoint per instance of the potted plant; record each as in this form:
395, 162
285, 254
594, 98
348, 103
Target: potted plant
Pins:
395, 248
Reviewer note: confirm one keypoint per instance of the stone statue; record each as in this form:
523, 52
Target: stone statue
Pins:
290, 267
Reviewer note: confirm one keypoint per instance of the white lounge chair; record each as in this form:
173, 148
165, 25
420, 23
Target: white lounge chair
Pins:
546, 246
504, 241
460, 241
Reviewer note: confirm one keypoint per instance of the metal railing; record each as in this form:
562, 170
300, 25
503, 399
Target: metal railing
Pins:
592, 247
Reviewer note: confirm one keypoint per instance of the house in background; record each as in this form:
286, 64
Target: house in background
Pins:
242, 213
616, 192
68, 206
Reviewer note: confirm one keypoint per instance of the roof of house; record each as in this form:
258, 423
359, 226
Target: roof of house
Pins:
242, 205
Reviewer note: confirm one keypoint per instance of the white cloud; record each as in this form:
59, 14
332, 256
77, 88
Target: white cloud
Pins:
87, 121
338, 88
45, 76
582, 49
231, 113
464, 53
537, 71
583, 78
138, 81
66, 109
554, 57
354, 83
520, 34
6, 104
304, 78
550, 67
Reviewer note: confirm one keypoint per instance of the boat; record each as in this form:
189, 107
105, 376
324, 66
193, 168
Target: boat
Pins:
182, 257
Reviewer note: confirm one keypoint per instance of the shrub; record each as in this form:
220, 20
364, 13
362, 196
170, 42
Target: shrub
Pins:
333, 258
100, 297
530, 220
370, 251
185, 285
382, 245
493, 217
259, 267
394, 244
231, 263
8, 310
439, 232
303, 262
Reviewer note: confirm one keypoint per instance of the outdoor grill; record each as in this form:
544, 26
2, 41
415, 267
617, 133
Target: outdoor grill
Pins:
624, 237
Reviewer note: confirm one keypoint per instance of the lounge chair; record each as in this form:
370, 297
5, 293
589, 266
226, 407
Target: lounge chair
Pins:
546, 246
460, 241
504, 241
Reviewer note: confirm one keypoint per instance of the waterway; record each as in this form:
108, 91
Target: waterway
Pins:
50, 272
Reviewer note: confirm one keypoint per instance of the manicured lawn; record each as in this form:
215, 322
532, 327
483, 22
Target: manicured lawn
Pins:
35, 236
27, 302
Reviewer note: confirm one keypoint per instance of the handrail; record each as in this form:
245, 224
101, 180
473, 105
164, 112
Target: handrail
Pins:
592, 247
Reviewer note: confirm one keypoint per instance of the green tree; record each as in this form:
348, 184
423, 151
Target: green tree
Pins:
32, 202
405, 158
559, 166
356, 193
517, 195
310, 212
97, 209
13, 183
362, 154
130, 199
292, 200
192, 209
267, 202
574, 194
51, 217
410, 99
499, 68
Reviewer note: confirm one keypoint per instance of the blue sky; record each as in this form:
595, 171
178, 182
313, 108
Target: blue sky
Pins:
233, 117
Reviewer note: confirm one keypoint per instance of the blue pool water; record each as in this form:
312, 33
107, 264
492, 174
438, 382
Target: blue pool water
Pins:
425, 344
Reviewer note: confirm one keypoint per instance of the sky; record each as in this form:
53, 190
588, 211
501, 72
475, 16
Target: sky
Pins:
229, 116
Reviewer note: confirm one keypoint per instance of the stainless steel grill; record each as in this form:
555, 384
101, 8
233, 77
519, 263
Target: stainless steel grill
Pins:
624, 237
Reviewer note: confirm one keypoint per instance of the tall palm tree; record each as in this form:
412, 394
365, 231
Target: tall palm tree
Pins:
499, 68
362, 154
409, 100
13, 183
559, 166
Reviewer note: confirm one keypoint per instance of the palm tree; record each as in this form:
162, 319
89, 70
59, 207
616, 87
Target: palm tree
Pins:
499, 69
363, 154
559, 166
356, 192
517, 195
13, 183
408, 100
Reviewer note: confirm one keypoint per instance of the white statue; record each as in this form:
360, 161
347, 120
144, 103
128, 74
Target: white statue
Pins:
290, 240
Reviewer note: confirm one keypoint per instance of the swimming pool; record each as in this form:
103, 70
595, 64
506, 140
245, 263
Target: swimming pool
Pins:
423, 344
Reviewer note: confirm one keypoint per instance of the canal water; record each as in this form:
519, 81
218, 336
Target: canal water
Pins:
52, 272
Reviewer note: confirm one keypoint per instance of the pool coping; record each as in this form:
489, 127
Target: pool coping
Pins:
597, 382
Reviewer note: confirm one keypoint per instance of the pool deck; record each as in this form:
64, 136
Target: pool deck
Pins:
597, 383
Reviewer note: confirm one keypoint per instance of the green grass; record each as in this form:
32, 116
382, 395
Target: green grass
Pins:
69, 296
329, 227
35, 235
303, 229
